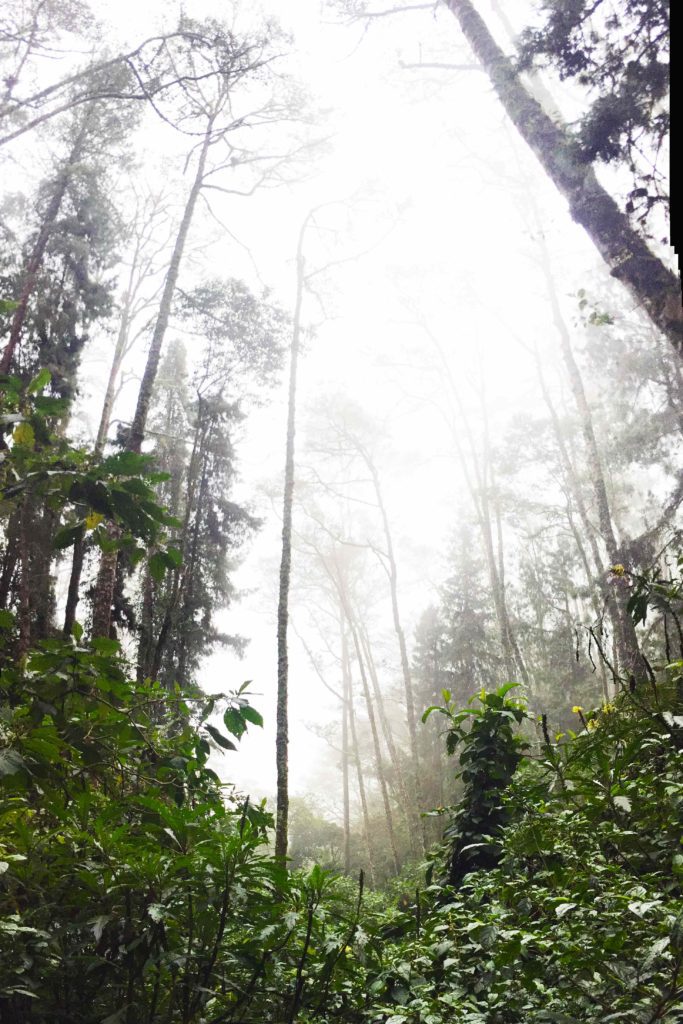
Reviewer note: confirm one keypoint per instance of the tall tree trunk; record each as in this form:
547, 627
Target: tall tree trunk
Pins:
404, 798
418, 829
282, 712
630, 655
137, 429
10, 557
597, 573
477, 485
36, 258
346, 709
346, 663
114, 370
24, 641
654, 286
379, 763
106, 577
497, 557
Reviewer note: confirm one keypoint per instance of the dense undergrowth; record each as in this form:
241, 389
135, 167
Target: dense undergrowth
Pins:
137, 888
134, 888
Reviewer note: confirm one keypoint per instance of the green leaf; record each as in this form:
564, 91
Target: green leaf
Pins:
11, 762
220, 739
234, 722
6, 619
68, 535
157, 566
40, 381
105, 645
126, 464
174, 557
252, 715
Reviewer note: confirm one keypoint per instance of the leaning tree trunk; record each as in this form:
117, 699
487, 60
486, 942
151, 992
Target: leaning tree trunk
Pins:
106, 577
653, 285
137, 430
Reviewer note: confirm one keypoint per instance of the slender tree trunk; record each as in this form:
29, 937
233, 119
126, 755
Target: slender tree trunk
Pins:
72, 597
137, 429
106, 577
105, 586
497, 554
418, 829
78, 557
346, 663
10, 557
607, 597
597, 575
404, 798
379, 764
114, 370
630, 654
24, 583
478, 490
36, 258
196, 476
346, 709
282, 713
654, 286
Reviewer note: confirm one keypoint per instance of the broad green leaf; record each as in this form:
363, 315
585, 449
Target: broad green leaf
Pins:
252, 715
234, 722
68, 535
219, 738
40, 381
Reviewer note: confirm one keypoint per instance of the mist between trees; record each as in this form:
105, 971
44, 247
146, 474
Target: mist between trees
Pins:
341, 352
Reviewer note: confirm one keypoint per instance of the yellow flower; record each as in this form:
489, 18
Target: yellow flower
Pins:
607, 709
617, 569
93, 520
577, 709
592, 725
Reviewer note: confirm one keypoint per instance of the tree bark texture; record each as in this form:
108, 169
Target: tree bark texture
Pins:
282, 709
653, 285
